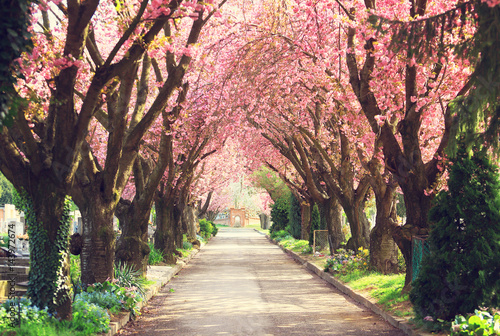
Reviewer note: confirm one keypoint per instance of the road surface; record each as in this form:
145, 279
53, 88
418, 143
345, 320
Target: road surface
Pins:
241, 284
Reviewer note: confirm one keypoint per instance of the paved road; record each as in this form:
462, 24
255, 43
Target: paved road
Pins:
241, 284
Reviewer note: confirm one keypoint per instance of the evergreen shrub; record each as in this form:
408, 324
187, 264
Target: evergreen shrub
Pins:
279, 214
462, 272
207, 228
294, 217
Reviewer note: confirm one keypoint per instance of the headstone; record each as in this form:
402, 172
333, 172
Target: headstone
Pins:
21, 240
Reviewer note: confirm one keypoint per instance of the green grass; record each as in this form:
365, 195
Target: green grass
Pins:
39, 329
155, 256
385, 289
184, 252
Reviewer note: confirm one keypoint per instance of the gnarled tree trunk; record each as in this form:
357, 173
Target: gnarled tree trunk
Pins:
305, 219
167, 229
49, 281
190, 218
98, 253
359, 225
132, 247
383, 248
331, 212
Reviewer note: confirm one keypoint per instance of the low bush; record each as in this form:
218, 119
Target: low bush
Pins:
129, 297
20, 311
129, 278
206, 228
107, 300
346, 261
155, 256
89, 318
187, 245
280, 235
481, 323
301, 246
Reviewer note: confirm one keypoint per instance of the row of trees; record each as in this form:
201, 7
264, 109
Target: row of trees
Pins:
113, 115
124, 105
348, 109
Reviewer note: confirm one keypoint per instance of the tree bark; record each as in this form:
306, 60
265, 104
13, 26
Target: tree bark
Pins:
98, 253
359, 225
167, 230
132, 247
305, 219
331, 211
383, 248
190, 218
49, 283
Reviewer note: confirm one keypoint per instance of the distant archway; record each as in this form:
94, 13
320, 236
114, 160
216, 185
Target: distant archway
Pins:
237, 217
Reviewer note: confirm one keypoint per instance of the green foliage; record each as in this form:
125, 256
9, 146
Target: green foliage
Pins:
16, 40
315, 223
6, 191
481, 323
346, 261
267, 179
292, 244
106, 300
51, 328
279, 214
206, 228
129, 296
280, 235
462, 272
75, 273
89, 317
22, 310
187, 245
400, 205
48, 287
155, 256
126, 276
4, 240
294, 217
215, 229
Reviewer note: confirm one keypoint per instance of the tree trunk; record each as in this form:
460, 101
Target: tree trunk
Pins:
48, 228
383, 248
132, 246
166, 231
332, 213
98, 253
190, 218
359, 225
417, 208
306, 219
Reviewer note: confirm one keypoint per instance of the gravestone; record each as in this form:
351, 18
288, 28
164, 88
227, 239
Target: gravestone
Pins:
22, 245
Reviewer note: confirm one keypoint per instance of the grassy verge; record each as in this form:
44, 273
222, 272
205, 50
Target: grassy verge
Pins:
384, 290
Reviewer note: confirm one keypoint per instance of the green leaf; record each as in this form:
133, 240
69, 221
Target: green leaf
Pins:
12, 32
